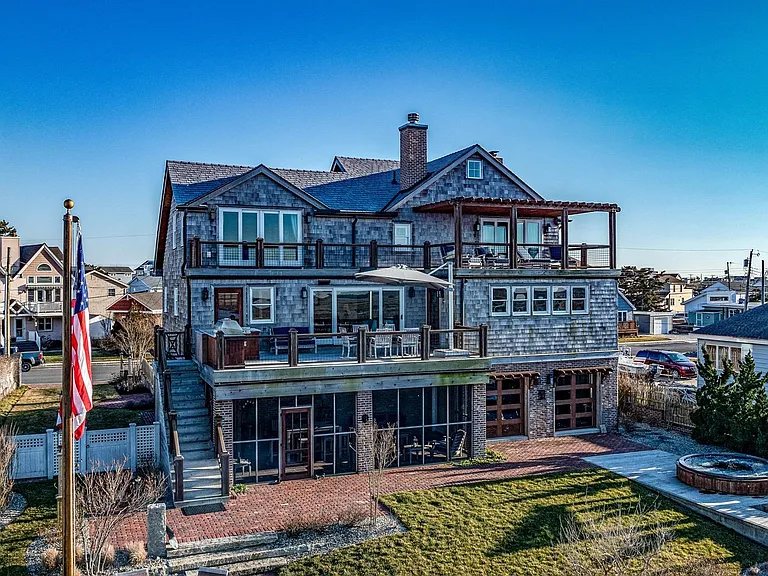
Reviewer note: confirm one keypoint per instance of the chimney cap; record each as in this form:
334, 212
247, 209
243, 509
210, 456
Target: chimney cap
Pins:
413, 117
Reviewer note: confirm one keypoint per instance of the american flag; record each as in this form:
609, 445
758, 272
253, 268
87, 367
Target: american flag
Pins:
82, 388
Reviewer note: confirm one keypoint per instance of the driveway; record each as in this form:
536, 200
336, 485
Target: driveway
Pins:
50, 374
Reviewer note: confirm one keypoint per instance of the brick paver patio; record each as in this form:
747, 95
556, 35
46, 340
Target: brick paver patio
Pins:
275, 506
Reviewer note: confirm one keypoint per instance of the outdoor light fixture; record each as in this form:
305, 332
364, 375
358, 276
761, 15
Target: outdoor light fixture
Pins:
477, 225
205, 294
303, 292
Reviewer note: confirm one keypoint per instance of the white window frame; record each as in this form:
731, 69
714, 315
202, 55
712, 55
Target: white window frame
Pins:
479, 165
586, 300
271, 319
507, 307
175, 301
621, 315
548, 300
173, 231
260, 212
527, 290
45, 320
165, 301
335, 290
31, 280
567, 301
43, 267
406, 226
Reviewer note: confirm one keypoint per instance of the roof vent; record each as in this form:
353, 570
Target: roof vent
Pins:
413, 117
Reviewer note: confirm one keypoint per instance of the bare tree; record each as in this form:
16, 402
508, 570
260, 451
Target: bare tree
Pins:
7, 450
379, 445
617, 542
134, 335
106, 500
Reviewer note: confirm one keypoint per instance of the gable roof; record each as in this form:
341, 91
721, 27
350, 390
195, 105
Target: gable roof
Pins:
190, 180
150, 301
624, 297
29, 252
106, 277
116, 269
149, 282
752, 325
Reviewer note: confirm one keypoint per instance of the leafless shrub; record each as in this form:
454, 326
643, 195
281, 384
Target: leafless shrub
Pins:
50, 559
79, 555
134, 336
379, 444
619, 542
106, 500
7, 450
320, 522
137, 553
108, 555
351, 517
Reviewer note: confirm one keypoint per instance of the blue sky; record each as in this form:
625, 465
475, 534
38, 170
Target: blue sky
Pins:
661, 109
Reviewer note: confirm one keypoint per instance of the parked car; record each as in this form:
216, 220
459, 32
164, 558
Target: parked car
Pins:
675, 362
31, 355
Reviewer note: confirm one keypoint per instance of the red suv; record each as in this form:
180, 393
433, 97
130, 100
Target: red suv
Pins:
681, 366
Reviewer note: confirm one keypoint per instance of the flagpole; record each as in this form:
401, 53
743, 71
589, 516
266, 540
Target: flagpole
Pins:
67, 463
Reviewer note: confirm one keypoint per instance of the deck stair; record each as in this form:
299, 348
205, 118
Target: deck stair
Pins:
202, 476
240, 555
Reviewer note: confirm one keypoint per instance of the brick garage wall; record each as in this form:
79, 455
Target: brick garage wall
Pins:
478, 440
541, 411
224, 408
363, 406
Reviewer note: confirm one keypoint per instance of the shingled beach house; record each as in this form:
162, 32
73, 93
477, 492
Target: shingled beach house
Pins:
444, 296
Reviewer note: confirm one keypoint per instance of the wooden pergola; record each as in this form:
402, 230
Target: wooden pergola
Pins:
521, 208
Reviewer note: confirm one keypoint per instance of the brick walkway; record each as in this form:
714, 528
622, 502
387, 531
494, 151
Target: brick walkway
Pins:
273, 507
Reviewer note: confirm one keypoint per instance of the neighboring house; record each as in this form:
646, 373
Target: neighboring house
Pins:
625, 315
36, 293
145, 268
103, 290
675, 292
146, 284
121, 273
143, 302
716, 302
653, 323
276, 249
735, 337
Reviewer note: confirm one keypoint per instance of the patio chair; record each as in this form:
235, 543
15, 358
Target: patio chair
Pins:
447, 252
525, 260
383, 341
409, 343
441, 447
348, 343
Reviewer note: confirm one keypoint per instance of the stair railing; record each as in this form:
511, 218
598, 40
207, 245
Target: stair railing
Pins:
161, 355
223, 455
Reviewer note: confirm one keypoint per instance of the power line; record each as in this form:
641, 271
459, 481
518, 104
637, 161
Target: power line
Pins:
687, 249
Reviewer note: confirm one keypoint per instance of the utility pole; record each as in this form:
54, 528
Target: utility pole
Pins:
7, 303
67, 466
728, 273
749, 270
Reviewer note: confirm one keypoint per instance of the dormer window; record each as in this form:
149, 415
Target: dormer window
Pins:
475, 169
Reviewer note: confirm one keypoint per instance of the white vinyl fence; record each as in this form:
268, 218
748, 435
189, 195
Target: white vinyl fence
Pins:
37, 455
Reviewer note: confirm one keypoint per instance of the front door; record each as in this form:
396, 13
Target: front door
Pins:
228, 303
296, 457
505, 407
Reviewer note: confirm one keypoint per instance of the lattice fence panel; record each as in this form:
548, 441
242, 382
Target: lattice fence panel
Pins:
30, 458
146, 449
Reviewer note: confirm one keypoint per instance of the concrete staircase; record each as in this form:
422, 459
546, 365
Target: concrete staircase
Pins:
202, 477
242, 555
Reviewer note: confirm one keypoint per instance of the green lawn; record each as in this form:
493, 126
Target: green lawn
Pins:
39, 515
513, 527
33, 409
96, 354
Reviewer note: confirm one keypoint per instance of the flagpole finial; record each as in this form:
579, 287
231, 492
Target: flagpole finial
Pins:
69, 204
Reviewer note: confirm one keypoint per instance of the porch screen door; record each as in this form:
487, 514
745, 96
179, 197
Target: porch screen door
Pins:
296, 443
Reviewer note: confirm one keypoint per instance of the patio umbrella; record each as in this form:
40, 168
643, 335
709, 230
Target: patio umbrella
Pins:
401, 276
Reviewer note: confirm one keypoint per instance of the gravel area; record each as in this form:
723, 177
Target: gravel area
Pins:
16, 506
667, 440
33, 556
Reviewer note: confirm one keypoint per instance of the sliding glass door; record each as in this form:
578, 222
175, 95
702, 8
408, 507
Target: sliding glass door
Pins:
342, 307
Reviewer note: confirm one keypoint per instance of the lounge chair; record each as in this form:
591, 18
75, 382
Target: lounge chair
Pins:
441, 448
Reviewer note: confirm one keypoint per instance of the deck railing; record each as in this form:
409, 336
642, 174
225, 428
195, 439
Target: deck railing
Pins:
161, 357
427, 256
227, 352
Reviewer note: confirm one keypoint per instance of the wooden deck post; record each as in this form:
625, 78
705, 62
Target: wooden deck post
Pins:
319, 254
362, 342
374, 255
564, 239
293, 347
425, 343
513, 238
259, 258
427, 263
458, 249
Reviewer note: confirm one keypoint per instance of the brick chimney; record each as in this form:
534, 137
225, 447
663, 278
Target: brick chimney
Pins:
413, 152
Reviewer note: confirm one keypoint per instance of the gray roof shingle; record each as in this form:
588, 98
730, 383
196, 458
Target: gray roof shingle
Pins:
752, 325
366, 166
364, 187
